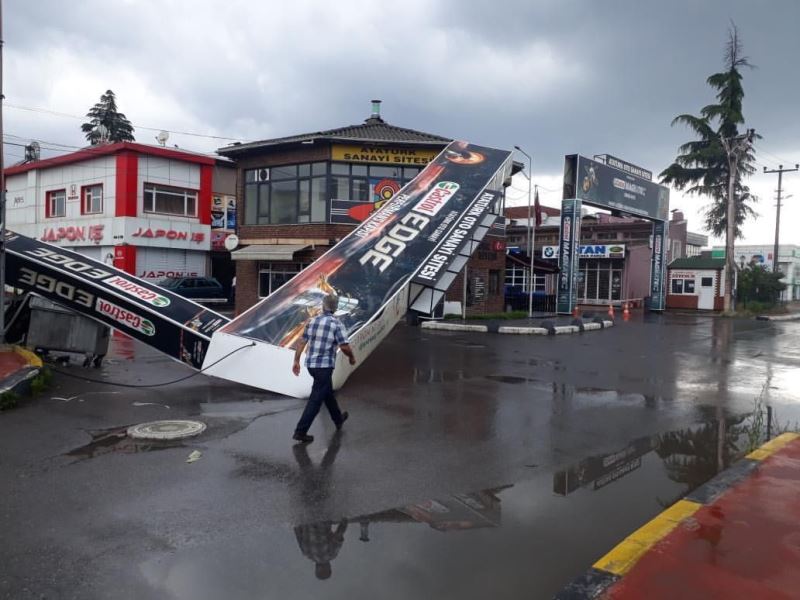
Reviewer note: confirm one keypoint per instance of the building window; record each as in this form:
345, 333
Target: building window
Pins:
92, 199
600, 280
682, 286
56, 204
517, 277
271, 276
494, 282
368, 183
286, 194
676, 249
170, 200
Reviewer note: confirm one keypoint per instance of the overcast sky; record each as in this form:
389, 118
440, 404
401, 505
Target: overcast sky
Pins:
553, 76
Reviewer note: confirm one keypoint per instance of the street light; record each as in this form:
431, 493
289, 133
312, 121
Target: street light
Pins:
531, 233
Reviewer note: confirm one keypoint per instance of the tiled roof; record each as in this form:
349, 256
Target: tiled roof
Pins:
697, 262
372, 130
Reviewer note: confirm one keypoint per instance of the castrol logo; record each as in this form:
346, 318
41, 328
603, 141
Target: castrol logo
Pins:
434, 200
138, 291
125, 317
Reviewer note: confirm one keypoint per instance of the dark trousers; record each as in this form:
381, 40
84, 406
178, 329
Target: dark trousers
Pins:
321, 391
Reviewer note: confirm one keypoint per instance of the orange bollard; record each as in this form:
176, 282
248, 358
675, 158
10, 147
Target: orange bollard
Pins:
611, 310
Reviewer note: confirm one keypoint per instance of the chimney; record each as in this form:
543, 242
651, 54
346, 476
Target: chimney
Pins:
677, 216
375, 117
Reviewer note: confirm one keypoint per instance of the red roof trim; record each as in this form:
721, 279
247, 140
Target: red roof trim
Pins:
110, 149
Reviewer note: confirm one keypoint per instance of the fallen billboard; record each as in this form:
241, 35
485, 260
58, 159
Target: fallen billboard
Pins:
369, 270
170, 323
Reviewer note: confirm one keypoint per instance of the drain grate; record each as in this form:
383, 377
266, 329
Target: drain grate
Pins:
174, 429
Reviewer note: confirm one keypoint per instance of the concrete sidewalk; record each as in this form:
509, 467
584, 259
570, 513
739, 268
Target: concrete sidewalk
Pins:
737, 536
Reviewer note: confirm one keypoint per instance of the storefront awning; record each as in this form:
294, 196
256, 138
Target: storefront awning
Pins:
267, 252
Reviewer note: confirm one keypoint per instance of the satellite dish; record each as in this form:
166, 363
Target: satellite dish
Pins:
231, 242
162, 137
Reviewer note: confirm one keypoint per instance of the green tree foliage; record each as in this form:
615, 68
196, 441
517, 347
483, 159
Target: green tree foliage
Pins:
701, 166
757, 284
104, 114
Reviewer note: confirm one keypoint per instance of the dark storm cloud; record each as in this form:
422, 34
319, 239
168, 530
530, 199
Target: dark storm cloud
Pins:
555, 77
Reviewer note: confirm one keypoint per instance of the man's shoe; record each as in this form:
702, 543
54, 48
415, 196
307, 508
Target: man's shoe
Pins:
303, 438
340, 424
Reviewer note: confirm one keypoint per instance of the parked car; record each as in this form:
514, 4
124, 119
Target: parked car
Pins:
201, 289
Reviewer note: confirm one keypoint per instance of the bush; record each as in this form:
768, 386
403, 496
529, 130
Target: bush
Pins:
41, 382
8, 400
760, 287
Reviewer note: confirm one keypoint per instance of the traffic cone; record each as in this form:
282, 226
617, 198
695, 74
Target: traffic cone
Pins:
576, 312
626, 313
611, 310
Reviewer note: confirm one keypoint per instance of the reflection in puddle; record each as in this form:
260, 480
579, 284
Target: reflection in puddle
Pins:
116, 441
321, 542
670, 465
690, 456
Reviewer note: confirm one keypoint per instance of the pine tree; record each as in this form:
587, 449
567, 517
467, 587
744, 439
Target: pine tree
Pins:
701, 168
104, 115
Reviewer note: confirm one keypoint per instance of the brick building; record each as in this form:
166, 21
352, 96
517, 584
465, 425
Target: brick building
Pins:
614, 264
299, 195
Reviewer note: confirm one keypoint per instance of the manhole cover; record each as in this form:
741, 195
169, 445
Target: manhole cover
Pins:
166, 430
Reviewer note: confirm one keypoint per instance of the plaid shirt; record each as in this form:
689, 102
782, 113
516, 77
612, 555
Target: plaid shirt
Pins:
324, 333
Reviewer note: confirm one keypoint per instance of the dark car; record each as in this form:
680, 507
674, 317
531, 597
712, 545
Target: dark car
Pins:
200, 289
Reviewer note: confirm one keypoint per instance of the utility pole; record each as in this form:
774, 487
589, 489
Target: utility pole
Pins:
531, 233
2, 200
780, 171
734, 148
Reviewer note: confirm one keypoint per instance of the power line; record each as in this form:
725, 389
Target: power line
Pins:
70, 116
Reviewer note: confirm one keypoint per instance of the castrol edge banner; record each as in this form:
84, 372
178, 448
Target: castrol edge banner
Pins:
378, 257
170, 323
450, 246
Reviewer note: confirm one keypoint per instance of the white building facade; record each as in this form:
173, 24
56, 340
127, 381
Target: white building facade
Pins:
764, 255
144, 209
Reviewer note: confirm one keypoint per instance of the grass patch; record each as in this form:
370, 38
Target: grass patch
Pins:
8, 400
41, 382
764, 423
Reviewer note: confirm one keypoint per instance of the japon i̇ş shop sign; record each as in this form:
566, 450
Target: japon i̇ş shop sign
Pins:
589, 251
78, 233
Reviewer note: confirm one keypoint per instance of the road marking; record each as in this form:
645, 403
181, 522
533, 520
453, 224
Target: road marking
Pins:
622, 558
772, 446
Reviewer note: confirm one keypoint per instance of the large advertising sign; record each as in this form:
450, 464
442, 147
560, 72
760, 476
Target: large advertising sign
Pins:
367, 267
601, 185
566, 294
370, 270
658, 259
168, 322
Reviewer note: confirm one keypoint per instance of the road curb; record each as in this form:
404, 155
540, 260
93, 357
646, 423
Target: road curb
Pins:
792, 317
615, 564
515, 330
18, 382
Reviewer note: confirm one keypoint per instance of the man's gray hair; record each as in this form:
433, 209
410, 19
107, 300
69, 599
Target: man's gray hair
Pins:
330, 303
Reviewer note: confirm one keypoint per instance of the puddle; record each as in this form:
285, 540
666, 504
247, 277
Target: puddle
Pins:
116, 441
526, 539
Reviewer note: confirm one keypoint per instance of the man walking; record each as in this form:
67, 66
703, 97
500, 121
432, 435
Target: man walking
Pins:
323, 334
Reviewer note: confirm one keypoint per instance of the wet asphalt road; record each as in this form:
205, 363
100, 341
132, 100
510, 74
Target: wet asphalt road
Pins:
472, 466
